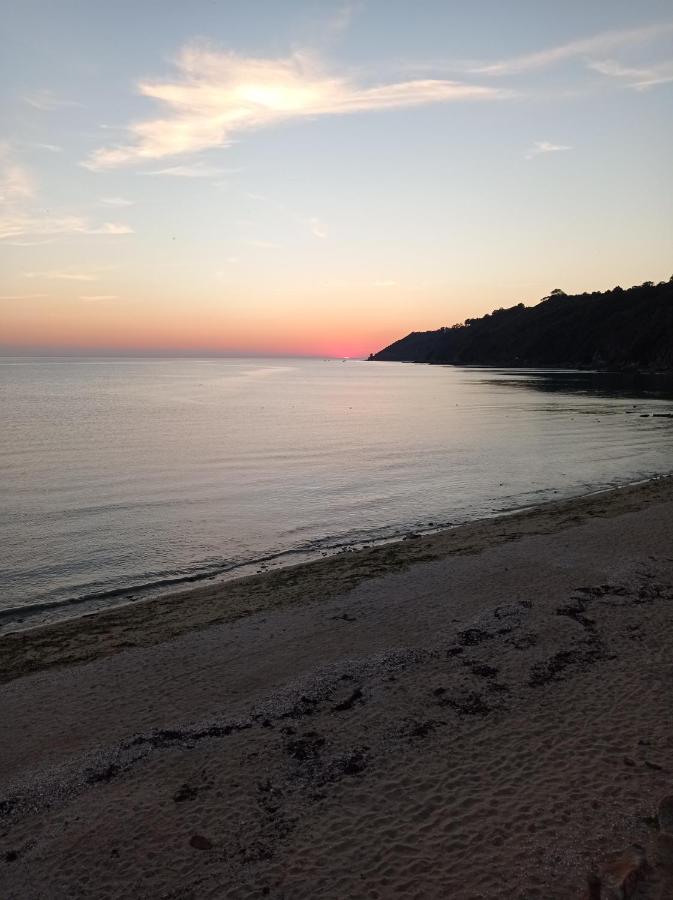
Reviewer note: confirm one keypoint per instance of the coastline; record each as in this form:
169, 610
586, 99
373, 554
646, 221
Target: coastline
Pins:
480, 713
159, 618
527, 367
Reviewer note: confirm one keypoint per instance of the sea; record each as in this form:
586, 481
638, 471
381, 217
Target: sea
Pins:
124, 478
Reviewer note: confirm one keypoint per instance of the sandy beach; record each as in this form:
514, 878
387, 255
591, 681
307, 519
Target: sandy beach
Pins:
478, 713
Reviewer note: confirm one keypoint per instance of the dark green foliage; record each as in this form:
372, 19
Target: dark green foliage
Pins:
617, 329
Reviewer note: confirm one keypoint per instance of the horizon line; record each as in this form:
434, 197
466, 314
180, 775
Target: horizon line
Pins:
168, 354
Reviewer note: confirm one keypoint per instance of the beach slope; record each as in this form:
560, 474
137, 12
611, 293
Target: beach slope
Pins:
478, 713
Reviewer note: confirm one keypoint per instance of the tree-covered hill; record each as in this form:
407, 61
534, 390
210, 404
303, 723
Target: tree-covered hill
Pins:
617, 329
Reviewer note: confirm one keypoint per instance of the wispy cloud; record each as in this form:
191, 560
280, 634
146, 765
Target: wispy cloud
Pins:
68, 274
316, 227
215, 96
540, 147
385, 283
195, 170
342, 19
263, 245
20, 218
39, 145
598, 43
38, 243
16, 182
22, 296
116, 201
108, 228
48, 101
636, 77
17, 224
93, 298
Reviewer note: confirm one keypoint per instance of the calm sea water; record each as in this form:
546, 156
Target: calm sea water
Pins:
123, 477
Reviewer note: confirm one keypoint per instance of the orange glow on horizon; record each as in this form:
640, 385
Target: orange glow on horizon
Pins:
98, 332
277, 326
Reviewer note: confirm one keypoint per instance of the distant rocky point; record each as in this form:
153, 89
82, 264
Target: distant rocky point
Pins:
618, 330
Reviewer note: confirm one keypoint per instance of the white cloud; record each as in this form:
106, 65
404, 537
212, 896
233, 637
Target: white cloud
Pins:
636, 77
16, 182
37, 145
19, 220
92, 298
63, 275
18, 223
196, 170
116, 201
216, 95
384, 283
22, 296
317, 228
545, 147
598, 43
263, 245
109, 228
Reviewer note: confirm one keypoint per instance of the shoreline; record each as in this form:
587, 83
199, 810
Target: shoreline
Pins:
164, 616
532, 367
15, 619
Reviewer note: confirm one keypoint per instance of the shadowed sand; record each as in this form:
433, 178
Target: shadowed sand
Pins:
474, 714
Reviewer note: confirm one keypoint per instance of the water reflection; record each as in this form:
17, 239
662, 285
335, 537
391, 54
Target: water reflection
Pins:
124, 477
635, 385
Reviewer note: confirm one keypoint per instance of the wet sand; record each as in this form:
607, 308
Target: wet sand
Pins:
473, 714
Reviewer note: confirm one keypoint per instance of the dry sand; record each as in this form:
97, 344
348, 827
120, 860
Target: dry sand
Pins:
476, 714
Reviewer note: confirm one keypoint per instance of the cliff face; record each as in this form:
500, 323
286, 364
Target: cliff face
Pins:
617, 329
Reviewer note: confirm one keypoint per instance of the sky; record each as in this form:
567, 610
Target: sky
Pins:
320, 178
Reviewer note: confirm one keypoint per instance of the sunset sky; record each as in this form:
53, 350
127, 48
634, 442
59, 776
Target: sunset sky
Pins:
288, 177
